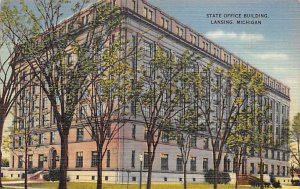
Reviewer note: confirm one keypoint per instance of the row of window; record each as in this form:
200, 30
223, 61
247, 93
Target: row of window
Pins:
31, 140
280, 170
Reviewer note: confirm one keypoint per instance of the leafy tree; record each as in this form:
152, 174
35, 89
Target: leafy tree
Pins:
106, 113
295, 139
61, 56
159, 96
222, 99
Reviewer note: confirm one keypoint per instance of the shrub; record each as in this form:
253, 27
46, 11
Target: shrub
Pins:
33, 170
5, 162
53, 175
223, 178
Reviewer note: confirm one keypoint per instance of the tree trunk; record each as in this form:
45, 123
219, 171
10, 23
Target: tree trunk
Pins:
184, 176
63, 161
1, 133
149, 176
99, 170
26, 165
216, 180
261, 176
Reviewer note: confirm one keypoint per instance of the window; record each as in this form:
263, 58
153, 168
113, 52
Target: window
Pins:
273, 154
21, 141
193, 164
108, 158
133, 159
133, 5
30, 161
165, 137
82, 112
95, 159
20, 161
252, 169
13, 162
41, 161
79, 159
278, 170
179, 163
193, 141
30, 141
146, 158
164, 162
148, 49
205, 164
283, 170
278, 155
41, 139
52, 137
266, 169
133, 131
266, 153
45, 103
146, 133
79, 135
272, 169
206, 140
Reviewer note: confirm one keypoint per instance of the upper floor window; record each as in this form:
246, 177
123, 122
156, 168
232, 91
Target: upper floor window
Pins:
80, 134
148, 49
165, 23
164, 162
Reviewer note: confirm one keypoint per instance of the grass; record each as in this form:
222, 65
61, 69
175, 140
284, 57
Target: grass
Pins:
88, 185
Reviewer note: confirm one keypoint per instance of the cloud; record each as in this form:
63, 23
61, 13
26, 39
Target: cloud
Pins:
244, 37
272, 56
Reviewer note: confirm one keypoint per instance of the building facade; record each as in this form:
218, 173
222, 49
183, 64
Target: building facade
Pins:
147, 24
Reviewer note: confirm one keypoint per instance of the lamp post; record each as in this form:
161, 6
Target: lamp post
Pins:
141, 165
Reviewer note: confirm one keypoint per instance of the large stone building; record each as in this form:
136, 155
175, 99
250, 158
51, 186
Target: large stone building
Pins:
122, 158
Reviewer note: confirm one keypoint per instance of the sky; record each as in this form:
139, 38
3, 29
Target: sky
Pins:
273, 46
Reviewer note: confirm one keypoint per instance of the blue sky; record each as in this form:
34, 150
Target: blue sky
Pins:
273, 47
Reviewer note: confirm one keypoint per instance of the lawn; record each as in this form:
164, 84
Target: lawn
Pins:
88, 185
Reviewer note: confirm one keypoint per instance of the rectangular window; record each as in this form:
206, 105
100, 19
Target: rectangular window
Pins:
41, 139
79, 159
79, 135
283, 170
108, 158
164, 162
193, 141
252, 168
278, 170
41, 161
165, 137
179, 163
95, 159
82, 112
146, 158
13, 162
52, 137
193, 164
45, 103
133, 159
206, 140
278, 155
272, 169
30, 141
133, 131
30, 161
148, 49
205, 164
20, 161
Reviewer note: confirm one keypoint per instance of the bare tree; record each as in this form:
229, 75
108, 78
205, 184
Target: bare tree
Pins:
10, 80
62, 55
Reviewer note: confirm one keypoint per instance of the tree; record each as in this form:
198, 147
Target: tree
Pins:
239, 144
259, 120
9, 83
186, 131
222, 98
295, 139
61, 56
159, 97
104, 105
